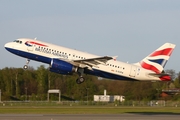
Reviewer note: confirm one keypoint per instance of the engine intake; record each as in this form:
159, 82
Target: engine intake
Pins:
62, 67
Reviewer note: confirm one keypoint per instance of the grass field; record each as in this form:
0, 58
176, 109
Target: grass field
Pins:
88, 110
81, 108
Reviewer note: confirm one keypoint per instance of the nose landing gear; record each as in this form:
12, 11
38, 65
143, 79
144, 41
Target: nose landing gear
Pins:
26, 66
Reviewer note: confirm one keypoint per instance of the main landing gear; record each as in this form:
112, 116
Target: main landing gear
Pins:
26, 66
81, 78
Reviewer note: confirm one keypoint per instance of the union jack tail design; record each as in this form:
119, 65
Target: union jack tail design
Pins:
157, 60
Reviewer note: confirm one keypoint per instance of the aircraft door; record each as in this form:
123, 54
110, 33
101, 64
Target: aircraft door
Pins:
30, 48
133, 71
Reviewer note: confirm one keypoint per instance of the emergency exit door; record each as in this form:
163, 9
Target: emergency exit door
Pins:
133, 71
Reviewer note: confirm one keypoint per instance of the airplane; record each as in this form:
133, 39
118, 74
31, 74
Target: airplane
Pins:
67, 61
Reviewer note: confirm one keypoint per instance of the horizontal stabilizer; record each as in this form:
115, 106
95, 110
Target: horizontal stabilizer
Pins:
162, 76
159, 74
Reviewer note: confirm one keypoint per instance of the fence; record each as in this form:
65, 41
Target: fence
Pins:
92, 103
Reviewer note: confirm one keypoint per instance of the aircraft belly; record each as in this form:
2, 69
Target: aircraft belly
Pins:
108, 75
31, 56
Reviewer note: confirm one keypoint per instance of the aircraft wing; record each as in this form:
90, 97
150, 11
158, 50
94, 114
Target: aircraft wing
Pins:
94, 61
89, 63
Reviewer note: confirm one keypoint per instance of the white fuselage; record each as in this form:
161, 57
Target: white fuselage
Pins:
44, 52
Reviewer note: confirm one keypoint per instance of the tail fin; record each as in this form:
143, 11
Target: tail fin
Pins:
157, 60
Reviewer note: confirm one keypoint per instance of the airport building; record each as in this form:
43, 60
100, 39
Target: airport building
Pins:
108, 98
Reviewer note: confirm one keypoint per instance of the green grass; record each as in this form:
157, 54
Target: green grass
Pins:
87, 110
79, 108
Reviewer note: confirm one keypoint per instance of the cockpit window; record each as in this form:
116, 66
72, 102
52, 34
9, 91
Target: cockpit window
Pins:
18, 41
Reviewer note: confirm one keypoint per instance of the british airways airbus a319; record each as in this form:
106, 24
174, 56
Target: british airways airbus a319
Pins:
66, 61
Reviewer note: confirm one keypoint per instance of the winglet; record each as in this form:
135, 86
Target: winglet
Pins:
114, 58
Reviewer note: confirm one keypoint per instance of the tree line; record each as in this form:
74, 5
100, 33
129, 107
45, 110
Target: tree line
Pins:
33, 84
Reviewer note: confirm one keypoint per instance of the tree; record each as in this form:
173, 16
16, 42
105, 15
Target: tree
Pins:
32, 83
172, 73
177, 81
42, 79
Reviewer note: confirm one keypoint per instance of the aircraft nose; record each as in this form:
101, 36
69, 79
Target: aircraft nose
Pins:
8, 45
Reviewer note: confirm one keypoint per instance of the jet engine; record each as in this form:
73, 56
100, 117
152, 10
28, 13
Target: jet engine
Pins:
62, 67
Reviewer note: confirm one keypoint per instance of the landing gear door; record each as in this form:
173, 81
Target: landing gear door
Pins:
133, 71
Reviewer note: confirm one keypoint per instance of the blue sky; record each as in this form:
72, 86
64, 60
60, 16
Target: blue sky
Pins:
130, 29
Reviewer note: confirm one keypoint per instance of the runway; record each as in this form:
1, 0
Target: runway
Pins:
89, 117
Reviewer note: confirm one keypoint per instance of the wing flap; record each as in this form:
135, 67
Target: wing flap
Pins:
95, 61
89, 63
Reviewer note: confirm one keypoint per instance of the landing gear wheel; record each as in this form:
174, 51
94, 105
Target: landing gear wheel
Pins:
80, 80
77, 81
25, 67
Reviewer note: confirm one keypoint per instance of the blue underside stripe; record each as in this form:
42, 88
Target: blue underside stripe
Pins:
107, 75
30, 56
48, 61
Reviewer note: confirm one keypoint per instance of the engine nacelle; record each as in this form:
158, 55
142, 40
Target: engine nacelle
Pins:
62, 67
